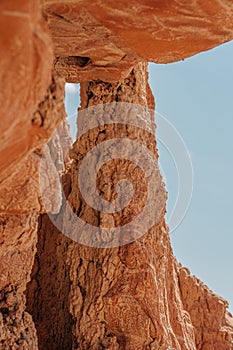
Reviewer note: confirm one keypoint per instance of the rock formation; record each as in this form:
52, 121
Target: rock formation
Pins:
109, 37
135, 296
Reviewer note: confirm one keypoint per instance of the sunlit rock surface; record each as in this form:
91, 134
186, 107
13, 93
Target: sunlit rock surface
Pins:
134, 297
102, 39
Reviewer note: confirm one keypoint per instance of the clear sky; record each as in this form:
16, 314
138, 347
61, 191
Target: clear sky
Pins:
196, 96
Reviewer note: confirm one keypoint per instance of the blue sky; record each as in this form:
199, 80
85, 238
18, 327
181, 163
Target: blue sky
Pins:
196, 96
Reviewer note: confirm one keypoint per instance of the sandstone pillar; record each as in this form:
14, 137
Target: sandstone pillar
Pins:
123, 297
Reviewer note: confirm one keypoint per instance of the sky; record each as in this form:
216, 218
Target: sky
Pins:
196, 96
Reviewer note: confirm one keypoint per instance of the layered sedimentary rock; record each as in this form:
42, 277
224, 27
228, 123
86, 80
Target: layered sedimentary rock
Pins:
130, 297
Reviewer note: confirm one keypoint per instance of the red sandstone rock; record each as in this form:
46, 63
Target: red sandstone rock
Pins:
25, 74
18, 238
108, 35
133, 297
213, 324
31, 107
20, 204
21, 184
126, 298
117, 298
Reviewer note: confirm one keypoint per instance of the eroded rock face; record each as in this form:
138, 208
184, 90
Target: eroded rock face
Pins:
213, 324
48, 290
118, 298
21, 184
20, 198
103, 39
20, 194
18, 238
25, 74
130, 297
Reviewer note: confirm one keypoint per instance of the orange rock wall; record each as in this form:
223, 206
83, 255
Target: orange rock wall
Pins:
87, 41
112, 35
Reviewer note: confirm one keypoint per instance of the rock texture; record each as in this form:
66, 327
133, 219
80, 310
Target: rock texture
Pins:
48, 290
103, 39
20, 199
25, 74
32, 106
117, 298
18, 237
213, 324
130, 297
19, 184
